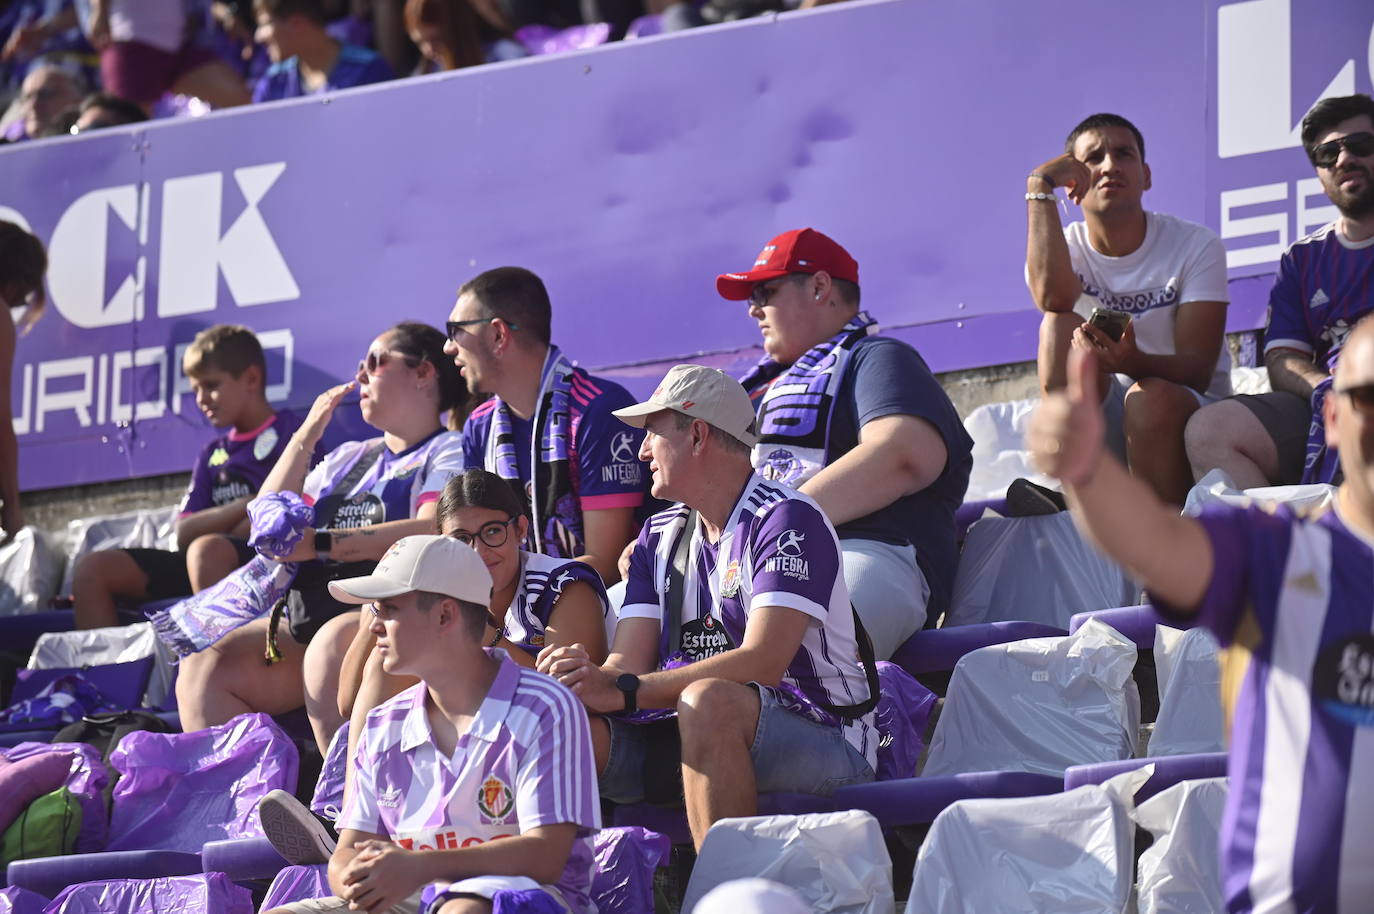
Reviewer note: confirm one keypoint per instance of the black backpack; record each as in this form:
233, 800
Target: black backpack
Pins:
104, 732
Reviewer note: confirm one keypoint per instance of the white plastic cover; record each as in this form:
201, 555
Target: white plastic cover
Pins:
30, 568
999, 451
1217, 488
837, 861
1039, 705
97, 646
1189, 674
1068, 853
1181, 872
151, 528
1033, 569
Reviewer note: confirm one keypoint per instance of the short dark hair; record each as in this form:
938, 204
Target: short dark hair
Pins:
474, 615
1099, 122
477, 488
515, 295
283, 9
424, 342
23, 263
1329, 112
230, 348
125, 111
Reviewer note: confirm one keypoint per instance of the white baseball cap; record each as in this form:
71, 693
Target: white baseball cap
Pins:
437, 564
703, 393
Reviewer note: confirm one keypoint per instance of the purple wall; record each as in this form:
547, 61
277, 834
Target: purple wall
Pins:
628, 177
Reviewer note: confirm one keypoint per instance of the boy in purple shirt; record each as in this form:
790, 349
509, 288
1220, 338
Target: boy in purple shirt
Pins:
305, 59
477, 781
228, 372
1289, 599
756, 651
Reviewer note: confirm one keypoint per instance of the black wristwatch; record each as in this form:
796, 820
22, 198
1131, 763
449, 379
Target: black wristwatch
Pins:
628, 683
324, 542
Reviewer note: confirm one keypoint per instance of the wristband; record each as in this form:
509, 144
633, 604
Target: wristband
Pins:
1047, 180
1050, 197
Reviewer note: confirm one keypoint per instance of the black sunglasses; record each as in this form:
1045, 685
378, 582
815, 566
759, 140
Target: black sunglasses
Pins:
454, 327
1362, 395
1357, 144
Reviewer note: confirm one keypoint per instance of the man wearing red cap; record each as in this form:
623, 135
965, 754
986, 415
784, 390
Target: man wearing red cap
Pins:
857, 422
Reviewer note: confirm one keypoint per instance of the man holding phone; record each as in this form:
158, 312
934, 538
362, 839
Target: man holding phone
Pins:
1168, 276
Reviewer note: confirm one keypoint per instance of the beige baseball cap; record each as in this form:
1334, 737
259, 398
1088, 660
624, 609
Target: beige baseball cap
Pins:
437, 564
703, 393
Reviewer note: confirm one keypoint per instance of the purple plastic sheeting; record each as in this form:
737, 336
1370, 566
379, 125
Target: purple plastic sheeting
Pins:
14, 900
298, 883
623, 877
203, 893
329, 789
279, 521
87, 779
543, 39
24, 780
904, 707
180, 790
645, 26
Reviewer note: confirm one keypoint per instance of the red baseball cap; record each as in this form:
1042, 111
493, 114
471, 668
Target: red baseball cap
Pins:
798, 251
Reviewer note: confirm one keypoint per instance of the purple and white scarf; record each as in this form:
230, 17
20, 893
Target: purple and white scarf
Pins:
1320, 463
799, 402
556, 527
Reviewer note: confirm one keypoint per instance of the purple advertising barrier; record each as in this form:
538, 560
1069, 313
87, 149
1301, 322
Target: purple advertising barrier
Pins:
627, 176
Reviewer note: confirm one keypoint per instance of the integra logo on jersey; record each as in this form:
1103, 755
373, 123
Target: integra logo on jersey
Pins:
1343, 679
788, 560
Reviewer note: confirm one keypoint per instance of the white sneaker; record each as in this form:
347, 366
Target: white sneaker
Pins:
294, 830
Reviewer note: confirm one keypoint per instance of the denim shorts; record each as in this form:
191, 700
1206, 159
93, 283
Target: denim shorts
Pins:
790, 753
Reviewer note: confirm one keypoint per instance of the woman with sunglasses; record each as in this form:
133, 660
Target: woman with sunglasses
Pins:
367, 495
22, 265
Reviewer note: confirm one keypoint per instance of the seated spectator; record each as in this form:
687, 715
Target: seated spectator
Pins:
23, 262
147, 48
46, 93
736, 616
104, 110
1168, 275
366, 495
305, 59
1321, 291
481, 769
874, 439
450, 35
228, 375
1291, 597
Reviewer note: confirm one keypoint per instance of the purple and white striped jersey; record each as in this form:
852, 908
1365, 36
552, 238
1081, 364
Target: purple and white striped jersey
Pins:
542, 579
777, 550
526, 761
1293, 603
1325, 285
393, 488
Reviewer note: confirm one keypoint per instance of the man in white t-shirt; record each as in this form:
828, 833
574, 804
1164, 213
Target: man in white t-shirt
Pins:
1168, 275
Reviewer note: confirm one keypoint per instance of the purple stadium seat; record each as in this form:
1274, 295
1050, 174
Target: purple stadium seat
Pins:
50, 875
1169, 770
1135, 622
242, 858
970, 511
939, 649
909, 801
19, 633
123, 684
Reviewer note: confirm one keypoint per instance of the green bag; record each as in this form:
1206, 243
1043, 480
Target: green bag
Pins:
46, 828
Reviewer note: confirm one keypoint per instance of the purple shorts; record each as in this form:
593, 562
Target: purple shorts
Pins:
142, 73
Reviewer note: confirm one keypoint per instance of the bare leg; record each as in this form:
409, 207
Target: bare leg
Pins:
99, 579
1228, 436
323, 658
214, 82
208, 559
1056, 339
601, 741
1156, 413
230, 678
718, 720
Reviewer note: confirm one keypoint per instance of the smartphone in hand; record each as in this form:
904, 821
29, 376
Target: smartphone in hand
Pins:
1112, 323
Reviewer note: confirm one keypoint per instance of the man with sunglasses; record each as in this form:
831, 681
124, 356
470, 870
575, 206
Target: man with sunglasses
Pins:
1325, 285
1290, 597
1160, 281
548, 428
857, 422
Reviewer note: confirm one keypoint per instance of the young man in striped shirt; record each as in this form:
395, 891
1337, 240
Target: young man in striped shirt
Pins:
479, 780
1292, 600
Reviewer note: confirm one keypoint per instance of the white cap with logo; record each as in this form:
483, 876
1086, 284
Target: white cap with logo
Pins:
708, 394
437, 564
